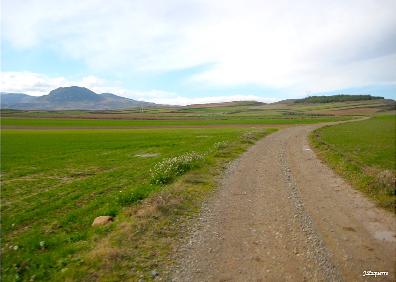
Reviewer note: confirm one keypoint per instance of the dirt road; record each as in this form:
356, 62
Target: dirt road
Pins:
282, 215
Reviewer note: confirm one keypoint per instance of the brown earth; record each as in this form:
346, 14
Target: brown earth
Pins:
282, 215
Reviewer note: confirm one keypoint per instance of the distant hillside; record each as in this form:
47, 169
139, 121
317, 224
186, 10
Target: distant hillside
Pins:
336, 98
68, 98
226, 104
15, 98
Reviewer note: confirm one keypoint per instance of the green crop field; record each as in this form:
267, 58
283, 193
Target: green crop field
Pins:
55, 182
63, 122
364, 153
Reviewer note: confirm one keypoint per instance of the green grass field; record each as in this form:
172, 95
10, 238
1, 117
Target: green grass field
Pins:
54, 183
364, 153
63, 122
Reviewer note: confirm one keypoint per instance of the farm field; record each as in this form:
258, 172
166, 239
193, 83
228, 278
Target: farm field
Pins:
225, 114
364, 153
232, 110
54, 183
44, 122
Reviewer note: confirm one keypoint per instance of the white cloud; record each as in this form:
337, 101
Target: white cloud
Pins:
300, 45
38, 84
168, 98
29, 83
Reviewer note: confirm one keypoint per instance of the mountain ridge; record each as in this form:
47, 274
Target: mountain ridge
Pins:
70, 98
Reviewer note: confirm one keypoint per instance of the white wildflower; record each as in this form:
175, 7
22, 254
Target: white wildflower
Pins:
166, 170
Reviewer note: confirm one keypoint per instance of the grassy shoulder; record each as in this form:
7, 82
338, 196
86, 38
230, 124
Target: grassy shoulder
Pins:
363, 153
54, 183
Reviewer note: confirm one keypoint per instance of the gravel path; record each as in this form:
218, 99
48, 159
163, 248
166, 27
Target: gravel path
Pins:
282, 215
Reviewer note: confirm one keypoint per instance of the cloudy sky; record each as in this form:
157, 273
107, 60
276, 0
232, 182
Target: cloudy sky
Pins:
194, 51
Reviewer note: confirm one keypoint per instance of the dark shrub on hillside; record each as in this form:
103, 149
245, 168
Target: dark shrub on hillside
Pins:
337, 98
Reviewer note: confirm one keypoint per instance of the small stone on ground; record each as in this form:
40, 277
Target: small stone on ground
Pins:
102, 220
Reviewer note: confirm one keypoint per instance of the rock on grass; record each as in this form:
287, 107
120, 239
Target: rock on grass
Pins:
102, 220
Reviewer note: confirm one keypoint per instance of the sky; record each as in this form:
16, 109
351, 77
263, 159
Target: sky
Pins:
199, 51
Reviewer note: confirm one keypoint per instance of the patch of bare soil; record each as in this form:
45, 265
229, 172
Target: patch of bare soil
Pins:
282, 215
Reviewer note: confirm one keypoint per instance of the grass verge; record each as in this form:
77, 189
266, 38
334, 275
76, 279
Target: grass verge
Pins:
363, 153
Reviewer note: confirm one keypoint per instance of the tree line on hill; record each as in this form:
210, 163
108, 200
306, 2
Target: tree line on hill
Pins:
337, 98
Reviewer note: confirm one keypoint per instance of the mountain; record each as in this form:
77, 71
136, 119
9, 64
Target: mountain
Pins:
68, 98
71, 94
14, 98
